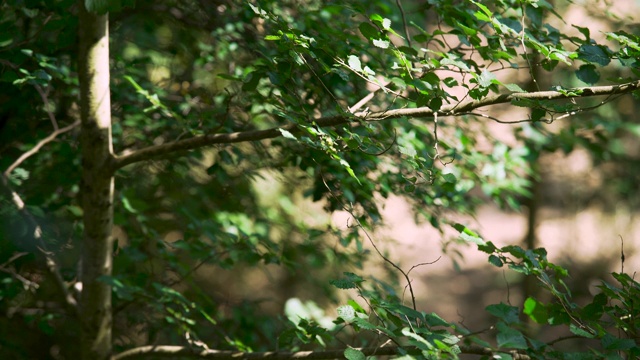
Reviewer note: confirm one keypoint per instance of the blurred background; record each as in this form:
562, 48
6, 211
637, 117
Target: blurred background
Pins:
243, 229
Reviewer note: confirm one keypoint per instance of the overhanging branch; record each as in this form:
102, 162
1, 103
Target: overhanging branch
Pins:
447, 110
191, 353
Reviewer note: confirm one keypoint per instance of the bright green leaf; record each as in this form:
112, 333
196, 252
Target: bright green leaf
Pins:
535, 310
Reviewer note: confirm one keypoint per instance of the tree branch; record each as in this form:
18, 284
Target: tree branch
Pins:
462, 108
165, 351
39, 145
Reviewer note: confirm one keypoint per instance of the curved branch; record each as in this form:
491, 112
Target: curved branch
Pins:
447, 110
39, 145
166, 351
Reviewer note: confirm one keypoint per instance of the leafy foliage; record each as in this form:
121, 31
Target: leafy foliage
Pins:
196, 229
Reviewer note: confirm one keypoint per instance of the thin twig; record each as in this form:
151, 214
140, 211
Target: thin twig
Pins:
45, 100
39, 145
424, 263
524, 48
404, 22
404, 274
621, 254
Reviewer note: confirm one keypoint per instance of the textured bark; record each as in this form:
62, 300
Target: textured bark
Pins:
97, 184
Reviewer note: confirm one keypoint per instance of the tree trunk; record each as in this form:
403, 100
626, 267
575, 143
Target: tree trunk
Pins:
97, 184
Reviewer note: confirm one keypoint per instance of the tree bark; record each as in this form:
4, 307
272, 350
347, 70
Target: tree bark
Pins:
97, 184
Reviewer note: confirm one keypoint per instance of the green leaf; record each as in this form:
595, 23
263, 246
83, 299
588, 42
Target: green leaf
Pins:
75, 210
450, 82
127, 205
538, 114
410, 313
418, 340
433, 319
350, 281
514, 88
593, 54
257, 10
364, 323
584, 31
450, 178
356, 306
468, 235
580, 332
408, 50
376, 18
496, 261
510, 338
347, 313
347, 167
536, 310
481, 16
353, 354
406, 150
588, 74
368, 31
252, 80
484, 9
435, 104
610, 342
504, 312
486, 78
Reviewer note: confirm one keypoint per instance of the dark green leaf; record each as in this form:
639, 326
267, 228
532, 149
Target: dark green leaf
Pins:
610, 342
510, 338
496, 261
369, 31
593, 54
435, 104
507, 313
580, 331
588, 74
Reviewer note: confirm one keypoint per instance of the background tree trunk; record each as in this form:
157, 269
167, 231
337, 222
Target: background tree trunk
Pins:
97, 184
